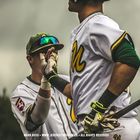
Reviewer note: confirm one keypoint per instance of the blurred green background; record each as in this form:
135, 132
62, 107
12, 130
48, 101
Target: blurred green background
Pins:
9, 128
19, 19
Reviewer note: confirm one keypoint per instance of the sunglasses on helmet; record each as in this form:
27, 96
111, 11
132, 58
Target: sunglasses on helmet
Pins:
46, 40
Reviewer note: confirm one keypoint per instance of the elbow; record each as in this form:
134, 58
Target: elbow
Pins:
31, 125
29, 128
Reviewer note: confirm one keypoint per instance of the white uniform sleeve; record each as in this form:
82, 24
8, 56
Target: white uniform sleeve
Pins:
104, 34
30, 111
40, 110
20, 102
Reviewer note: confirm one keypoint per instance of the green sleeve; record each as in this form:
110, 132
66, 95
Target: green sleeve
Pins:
125, 53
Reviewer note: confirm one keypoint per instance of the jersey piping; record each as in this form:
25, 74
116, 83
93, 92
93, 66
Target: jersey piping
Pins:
30, 79
29, 87
60, 116
65, 115
118, 41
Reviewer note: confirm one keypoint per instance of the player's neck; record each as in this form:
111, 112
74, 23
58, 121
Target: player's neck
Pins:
36, 77
87, 11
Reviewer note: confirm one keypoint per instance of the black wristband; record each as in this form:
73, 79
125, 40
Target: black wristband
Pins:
107, 98
58, 83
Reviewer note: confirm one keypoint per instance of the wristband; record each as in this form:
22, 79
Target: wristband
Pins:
58, 82
107, 98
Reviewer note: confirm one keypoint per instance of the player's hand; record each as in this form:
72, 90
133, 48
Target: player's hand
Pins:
107, 121
51, 67
91, 122
97, 122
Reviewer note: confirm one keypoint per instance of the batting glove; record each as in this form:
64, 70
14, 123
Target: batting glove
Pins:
97, 121
51, 68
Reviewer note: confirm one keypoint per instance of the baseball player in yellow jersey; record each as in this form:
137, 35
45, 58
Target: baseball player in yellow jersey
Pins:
40, 109
103, 64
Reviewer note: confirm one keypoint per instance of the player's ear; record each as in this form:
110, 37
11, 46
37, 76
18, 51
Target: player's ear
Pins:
29, 59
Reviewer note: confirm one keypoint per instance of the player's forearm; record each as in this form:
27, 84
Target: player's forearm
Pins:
42, 103
127, 63
62, 85
41, 109
122, 76
68, 90
38, 112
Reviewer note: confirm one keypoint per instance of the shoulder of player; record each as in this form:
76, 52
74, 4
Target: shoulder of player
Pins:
103, 21
22, 90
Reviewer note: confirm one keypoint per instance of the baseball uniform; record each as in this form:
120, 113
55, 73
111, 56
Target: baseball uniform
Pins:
93, 42
58, 124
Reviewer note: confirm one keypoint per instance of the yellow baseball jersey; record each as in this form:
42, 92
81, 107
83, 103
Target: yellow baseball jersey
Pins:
91, 61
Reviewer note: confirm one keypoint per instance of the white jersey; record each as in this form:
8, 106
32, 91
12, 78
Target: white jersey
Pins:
58, 125
91, 61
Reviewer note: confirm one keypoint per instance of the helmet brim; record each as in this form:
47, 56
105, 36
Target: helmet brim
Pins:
57, 47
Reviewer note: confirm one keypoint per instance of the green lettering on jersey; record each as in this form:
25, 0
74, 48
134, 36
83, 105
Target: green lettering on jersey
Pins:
77, 54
